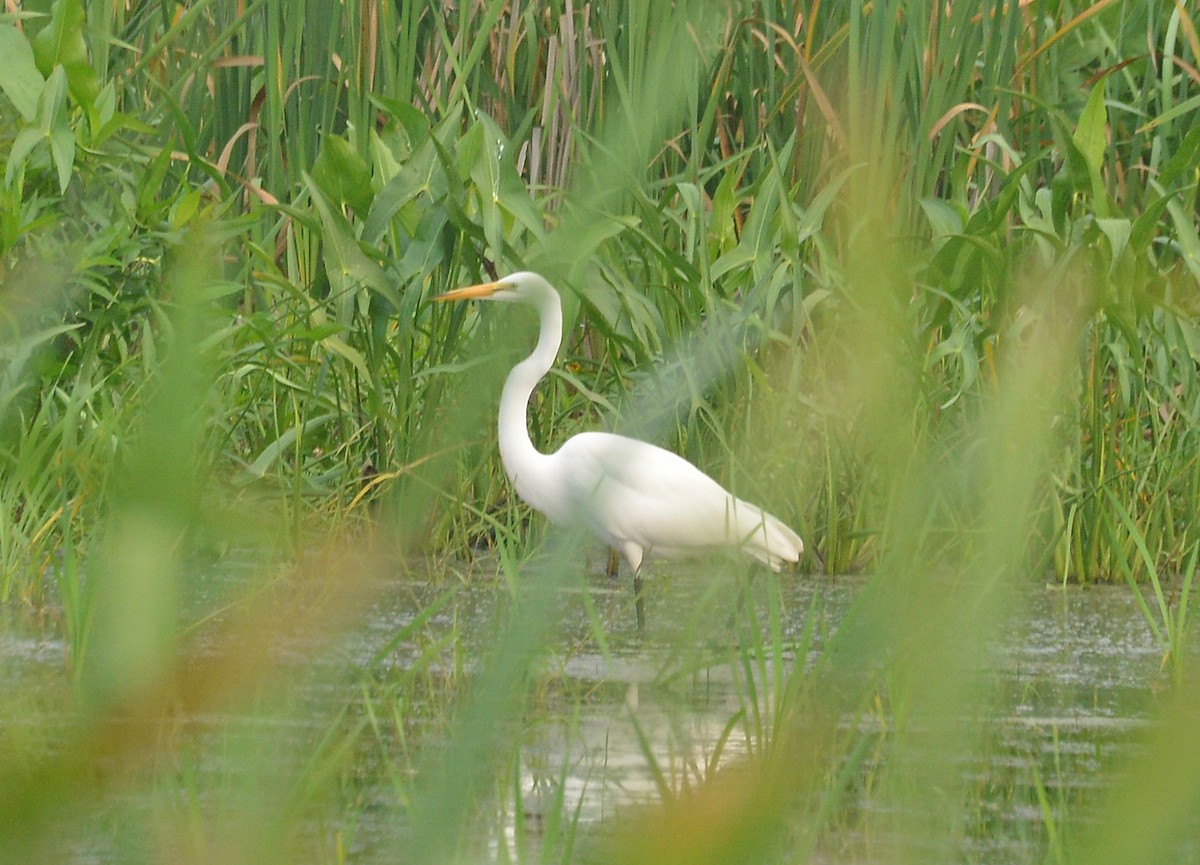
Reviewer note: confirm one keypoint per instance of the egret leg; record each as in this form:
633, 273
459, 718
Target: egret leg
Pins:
634, 555
745, 596
638, 604
614, 564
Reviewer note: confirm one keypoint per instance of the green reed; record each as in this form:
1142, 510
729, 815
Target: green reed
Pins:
919, 278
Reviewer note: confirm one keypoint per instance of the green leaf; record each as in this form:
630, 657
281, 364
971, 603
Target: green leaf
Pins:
1170, 114
1089, 133
478, 160
62, 151
26, 140
184, 208
1117, 231
1089, 138
343, 174
1144, 227
20, 79
1186, 235
814, 214
484, 157
346, 265
422, 176
512, 195
944, 219
758, 233
722, 225
338, 346
1183, 160
53, 101
61, 44
425, 251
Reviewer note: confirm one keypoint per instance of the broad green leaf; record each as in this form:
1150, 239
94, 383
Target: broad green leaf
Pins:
53, 120
692, 218
1089, 133
62, 151
1117, 231
346, 265
1089, 137
484, 157
339, 346
814, 214
758, 233
944, 218
722, 229
478, 160
61, 44
53, 100
426, 249
1186, 235
185, 207
20, 79
150, 184
22, 145
423, 175
512, 195
343, 174
1144, 227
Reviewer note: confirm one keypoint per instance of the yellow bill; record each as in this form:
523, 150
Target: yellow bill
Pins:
472, 292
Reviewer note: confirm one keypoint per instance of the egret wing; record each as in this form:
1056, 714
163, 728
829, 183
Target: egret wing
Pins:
629, 490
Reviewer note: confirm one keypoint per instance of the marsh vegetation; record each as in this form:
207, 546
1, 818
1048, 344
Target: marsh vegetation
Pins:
920, 278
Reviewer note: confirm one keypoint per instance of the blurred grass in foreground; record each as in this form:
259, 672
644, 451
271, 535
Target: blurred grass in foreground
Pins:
924, 279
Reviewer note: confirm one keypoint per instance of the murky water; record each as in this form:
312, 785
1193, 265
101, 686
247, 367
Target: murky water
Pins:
1079, 668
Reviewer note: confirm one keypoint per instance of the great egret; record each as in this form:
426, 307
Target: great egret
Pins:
638, 498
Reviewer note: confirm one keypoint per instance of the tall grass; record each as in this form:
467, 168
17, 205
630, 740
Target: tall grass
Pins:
919, 277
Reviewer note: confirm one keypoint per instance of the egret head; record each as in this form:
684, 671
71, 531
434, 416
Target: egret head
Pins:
520, 287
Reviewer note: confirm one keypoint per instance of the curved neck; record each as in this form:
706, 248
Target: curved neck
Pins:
517, 452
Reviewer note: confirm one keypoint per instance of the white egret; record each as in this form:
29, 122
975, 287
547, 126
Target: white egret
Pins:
640, 499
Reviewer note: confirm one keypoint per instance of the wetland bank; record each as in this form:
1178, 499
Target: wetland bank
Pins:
919, 278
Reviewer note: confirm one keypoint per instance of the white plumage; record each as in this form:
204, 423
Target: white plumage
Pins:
638, 498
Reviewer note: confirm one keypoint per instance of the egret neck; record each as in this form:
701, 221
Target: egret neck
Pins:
523, 462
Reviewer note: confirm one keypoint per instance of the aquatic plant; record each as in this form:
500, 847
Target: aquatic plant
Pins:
920, 277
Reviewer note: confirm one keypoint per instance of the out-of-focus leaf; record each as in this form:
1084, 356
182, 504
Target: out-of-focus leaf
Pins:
61, 44
1089, 137
511, 193
1144, 227
483, 156
1183, 160
423, 176
1117, 231
62, 151
343, 174
51, 126
346, 265
22, 145
758, 233
944, 218
19, 76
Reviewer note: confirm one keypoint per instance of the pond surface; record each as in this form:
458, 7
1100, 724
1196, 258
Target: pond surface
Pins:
1078, 671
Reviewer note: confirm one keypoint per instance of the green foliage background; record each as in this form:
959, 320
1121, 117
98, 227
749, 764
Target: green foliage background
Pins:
920, 277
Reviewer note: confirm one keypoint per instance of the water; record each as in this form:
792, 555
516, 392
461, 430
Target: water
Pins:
1076, 679
1078, 672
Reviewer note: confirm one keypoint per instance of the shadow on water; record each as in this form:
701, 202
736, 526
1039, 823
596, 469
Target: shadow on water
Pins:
631, 717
